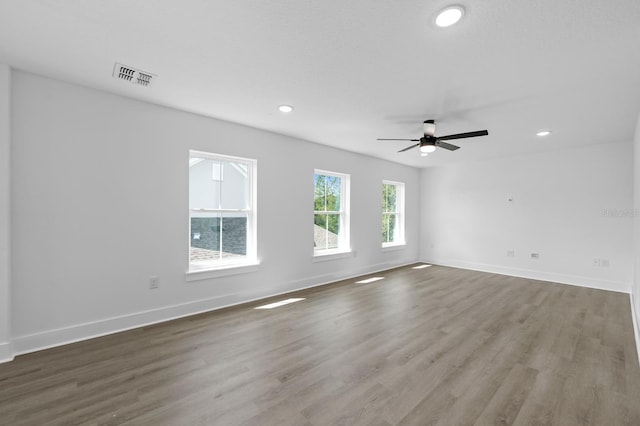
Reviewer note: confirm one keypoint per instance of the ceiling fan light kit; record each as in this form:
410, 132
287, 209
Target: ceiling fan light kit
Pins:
429, 142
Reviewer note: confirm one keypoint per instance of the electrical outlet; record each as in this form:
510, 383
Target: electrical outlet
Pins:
596, 262
535, 256
604, 263
154, 282
511, 253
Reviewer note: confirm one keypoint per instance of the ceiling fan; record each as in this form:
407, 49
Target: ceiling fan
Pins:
428, 143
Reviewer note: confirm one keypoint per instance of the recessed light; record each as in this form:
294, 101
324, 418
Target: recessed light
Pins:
285, 108
543, 133
449, 16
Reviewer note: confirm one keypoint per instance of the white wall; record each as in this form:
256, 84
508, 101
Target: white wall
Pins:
635, 290
559, 209
100, 195
5, 228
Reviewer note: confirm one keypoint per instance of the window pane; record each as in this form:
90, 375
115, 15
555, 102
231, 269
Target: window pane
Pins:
389, 227
216, 236
234, 186
326, 231
385, 228
389, 197
204, 190
327, 193
385, 203
205, 237
333, 193
319, 203
234, 235
218, 184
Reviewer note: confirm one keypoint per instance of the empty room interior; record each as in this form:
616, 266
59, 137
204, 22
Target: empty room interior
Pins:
319, 212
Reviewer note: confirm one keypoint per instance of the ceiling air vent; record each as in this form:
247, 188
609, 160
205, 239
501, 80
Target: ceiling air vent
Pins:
133, 75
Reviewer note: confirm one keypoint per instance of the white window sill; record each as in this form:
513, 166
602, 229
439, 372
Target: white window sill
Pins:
332, 255
221, 271
393, 247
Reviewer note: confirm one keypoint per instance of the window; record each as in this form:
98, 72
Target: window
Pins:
331, 213
222, 211
392, 213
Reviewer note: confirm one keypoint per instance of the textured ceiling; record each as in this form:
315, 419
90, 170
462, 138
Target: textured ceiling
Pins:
356, 70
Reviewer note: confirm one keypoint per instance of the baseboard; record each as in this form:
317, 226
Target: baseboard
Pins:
635, 316
325, 279
62, 336
576, 280
6, 352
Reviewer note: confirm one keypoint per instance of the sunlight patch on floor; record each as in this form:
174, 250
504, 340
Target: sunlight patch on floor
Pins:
280, 303
370, 280
420, 266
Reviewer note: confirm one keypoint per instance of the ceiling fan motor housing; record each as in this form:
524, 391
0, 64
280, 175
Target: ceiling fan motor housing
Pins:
429, 127
428, 140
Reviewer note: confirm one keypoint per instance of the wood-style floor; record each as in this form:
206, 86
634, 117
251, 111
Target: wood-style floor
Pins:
437, 346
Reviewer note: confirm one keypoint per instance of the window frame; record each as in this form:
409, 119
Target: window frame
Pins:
250, 258
344, 238
399, 213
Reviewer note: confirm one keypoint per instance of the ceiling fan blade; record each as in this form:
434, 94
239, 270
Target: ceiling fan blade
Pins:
412, 140
463, 135
409, 147
446, 146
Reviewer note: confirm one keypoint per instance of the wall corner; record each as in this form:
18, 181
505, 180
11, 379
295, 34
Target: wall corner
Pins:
6, 353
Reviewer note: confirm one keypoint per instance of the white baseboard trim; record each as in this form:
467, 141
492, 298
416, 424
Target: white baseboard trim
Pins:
635, 316
75, 333
325, 279
6, 352
576, 280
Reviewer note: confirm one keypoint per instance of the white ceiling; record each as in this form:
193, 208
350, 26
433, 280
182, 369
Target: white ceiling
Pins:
356, 70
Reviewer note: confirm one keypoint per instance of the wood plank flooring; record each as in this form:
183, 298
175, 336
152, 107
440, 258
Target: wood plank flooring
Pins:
436, 346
